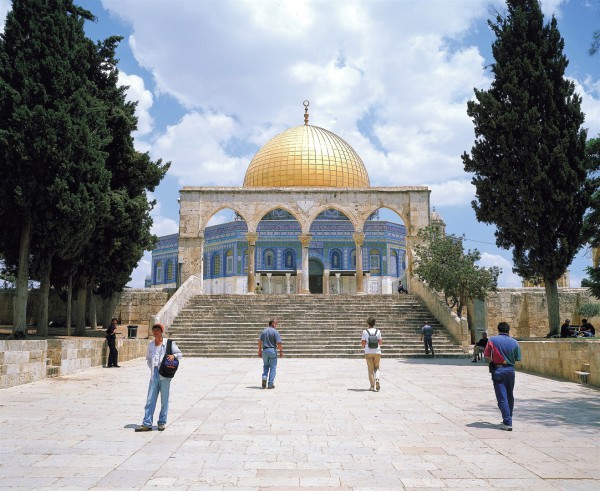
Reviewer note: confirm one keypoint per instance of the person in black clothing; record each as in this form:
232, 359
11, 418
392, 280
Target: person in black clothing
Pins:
587, 330
566, 331
401, 288
111, 339
479, 347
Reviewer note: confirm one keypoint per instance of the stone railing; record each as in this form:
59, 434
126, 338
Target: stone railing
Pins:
190, 288
457, 327
561, 358
25, 361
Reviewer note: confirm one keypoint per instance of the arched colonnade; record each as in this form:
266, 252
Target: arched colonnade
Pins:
198, 204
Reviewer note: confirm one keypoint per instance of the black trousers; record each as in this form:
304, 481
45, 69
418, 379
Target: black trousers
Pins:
428, 345
113, 354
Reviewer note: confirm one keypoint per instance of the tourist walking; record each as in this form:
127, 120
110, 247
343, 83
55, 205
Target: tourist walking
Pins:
111, 339
502, 352
427, 338
155, 353
371, 343
268, 344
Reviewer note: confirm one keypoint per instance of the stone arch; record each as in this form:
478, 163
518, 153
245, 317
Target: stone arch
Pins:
198, 204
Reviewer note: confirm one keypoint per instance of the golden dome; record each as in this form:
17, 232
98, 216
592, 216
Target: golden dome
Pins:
307, 156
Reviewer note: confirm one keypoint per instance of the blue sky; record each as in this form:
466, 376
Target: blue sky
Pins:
215, 80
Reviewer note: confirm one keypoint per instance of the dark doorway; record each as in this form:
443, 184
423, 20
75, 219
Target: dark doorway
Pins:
315, 276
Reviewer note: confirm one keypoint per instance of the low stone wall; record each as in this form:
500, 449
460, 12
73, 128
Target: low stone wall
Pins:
25, 361
526, 309
561, 358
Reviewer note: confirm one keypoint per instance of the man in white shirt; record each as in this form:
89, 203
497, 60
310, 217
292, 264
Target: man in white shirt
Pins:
371, 343
155, 353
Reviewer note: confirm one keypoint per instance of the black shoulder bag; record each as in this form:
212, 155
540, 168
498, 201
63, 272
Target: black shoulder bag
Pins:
168, 367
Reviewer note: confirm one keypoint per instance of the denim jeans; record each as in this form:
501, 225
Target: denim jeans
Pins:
157, 385
269, 356
504, 383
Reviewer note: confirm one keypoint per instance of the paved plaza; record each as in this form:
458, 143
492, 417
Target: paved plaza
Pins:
434, 424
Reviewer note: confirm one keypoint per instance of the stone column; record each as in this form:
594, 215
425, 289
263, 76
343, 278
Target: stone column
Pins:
326, 282
287, 282
305, 241
367, 276
251, 237
337, 282
359, 238
191, 255
270, 290
411, 241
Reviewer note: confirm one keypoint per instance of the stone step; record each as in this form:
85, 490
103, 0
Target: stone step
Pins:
311, 325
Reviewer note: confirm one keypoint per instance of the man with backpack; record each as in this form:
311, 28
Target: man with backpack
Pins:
371, 343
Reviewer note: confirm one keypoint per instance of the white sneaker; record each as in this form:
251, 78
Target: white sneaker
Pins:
377, 386
505, 427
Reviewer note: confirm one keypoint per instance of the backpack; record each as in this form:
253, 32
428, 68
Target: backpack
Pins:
372, 340
168, 367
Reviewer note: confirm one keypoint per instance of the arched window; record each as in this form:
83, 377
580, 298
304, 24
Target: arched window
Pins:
170, 272
216, 265
288, 260
374, 261
269, 259
353, 259
159, 271
229, 261
393, 263
336, 260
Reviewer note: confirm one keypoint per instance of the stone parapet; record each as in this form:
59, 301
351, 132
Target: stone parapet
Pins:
561, 358
456, 326
166, 315
25, 361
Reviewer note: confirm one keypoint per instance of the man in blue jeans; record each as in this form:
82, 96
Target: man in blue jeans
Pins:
502, 352
268, 343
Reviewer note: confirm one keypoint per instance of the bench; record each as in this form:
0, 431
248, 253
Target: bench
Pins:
583, 373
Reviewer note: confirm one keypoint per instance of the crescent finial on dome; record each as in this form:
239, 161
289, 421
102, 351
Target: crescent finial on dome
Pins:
306, 104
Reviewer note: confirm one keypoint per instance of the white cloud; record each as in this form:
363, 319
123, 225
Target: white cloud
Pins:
552, 7
507, 278
196, 147
136, 92
161, 225
454, 192
589, 90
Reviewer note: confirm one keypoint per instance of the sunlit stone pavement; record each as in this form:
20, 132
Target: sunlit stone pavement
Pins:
434, 424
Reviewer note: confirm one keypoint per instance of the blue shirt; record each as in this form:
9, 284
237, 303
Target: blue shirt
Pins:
503, 350
270, 338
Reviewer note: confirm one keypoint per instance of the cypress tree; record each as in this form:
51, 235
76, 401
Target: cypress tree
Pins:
528, 160
52, 175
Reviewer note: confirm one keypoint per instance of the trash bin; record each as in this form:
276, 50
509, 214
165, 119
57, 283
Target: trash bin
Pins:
132, 331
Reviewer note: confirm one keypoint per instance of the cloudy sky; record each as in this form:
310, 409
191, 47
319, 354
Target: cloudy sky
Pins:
215, 80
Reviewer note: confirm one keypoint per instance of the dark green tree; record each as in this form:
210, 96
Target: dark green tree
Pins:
52, 176
592, 219
442, 263
528, 160
123, 235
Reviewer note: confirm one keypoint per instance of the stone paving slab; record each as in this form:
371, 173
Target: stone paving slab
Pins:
434, 425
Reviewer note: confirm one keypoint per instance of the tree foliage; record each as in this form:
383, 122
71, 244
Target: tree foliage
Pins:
442, 263
528, 160
73, 186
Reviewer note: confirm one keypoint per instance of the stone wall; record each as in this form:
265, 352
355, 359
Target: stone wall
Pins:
25, 361
561, 358
526, 309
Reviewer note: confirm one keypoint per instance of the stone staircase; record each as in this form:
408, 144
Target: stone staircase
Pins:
310, 325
